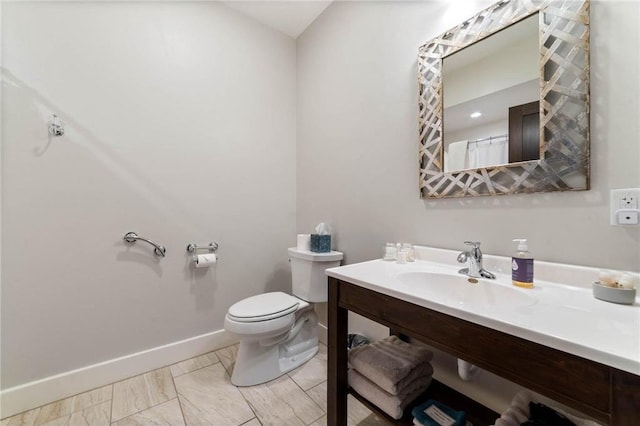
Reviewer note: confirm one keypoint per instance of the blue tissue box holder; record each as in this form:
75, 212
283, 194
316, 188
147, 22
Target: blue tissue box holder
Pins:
320, 243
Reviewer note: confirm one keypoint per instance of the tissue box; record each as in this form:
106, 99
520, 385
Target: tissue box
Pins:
320, 243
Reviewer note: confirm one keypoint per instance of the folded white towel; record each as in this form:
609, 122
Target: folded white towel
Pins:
393, 405
391, 363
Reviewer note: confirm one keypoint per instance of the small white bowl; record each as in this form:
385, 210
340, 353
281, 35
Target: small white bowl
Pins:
624, 296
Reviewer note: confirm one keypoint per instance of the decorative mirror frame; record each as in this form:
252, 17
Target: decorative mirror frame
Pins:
563, 164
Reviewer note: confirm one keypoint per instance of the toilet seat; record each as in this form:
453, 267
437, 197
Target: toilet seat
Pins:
263, 307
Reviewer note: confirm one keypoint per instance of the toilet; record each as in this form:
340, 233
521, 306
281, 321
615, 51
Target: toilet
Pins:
278, 331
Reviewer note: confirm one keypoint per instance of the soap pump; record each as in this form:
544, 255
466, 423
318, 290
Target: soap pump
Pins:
522, 265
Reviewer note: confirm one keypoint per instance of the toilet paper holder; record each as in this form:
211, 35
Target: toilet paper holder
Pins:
193, 248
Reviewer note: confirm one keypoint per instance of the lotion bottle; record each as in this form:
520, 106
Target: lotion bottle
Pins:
522, 265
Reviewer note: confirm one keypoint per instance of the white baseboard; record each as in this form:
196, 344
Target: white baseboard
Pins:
323, 333
44, 391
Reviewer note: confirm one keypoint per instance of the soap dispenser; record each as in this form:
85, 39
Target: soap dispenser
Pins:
522, 265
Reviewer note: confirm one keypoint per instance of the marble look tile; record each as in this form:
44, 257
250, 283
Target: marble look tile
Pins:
193, 364
75, 403
207, 397
165, 414
227, 357
357, 415
252, 422
28, 418
322, 421
141, 392
61, 408
96, 415
281, 402
312, 372
319, 395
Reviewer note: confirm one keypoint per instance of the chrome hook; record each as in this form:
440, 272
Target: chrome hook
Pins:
55, 128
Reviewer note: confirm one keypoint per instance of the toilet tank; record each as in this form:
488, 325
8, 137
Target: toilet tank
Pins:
308, 280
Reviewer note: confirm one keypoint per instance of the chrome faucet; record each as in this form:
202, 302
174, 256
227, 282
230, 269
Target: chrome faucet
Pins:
474, 256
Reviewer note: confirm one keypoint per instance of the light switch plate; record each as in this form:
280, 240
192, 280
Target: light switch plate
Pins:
623, 202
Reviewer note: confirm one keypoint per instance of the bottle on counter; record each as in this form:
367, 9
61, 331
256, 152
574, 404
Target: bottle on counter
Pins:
522, 265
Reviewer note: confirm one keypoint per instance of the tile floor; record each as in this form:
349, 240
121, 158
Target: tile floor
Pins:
198, 391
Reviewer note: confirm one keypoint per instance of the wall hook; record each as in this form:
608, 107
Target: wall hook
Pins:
55, 128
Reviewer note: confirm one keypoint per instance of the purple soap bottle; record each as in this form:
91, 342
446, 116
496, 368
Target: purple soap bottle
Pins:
522, 265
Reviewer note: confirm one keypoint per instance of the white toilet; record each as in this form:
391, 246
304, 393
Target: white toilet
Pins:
278, 332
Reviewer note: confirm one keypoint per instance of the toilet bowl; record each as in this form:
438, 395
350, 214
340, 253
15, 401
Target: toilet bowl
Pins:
278, 331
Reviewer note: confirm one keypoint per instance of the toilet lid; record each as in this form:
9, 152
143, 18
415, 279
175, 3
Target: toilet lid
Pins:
263, 307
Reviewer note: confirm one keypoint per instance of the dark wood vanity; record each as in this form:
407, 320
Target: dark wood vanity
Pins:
607, 394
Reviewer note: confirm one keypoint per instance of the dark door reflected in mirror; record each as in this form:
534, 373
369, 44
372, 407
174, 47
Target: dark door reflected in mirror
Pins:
491, 94
524, 132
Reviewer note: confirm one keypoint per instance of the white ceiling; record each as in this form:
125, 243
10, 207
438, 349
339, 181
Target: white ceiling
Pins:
291, 17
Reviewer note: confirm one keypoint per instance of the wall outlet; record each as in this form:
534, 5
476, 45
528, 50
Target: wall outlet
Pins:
624, 206
628, 218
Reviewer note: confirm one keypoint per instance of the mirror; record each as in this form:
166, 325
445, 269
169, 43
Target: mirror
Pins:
483, 86
543, 122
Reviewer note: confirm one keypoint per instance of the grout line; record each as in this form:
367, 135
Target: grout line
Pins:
173, 379
184, 419
138, 412
146, 395
111, 410
305, 394
323, 414
251, 407
228, 375
197, 369
242, 395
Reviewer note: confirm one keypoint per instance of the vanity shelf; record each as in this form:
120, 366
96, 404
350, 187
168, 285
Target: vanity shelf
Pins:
477, 414
605, 393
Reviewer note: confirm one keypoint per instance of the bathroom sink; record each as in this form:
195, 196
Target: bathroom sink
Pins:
463, 291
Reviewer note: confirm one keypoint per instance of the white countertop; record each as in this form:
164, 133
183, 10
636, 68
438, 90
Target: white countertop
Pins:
564, 315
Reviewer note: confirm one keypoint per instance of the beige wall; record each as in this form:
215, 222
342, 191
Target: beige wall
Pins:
180, 126
357, 143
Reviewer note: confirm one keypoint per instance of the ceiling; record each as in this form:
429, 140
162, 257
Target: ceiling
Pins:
290, 17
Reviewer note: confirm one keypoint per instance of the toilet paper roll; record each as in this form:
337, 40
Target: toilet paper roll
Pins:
205, 260
304, 242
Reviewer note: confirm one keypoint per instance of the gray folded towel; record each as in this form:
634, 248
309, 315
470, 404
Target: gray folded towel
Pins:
391, 363
393, 405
